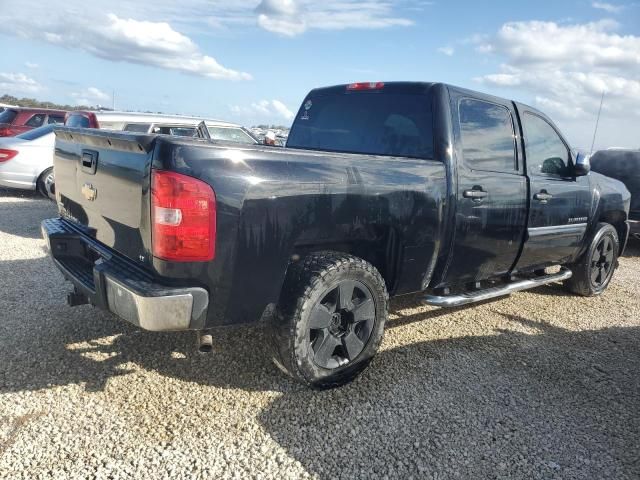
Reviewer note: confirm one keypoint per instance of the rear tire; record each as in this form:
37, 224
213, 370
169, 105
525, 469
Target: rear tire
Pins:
592, 273
330, 319
45, 184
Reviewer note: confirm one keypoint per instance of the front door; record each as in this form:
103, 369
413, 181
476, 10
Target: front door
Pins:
560, 202
491, 209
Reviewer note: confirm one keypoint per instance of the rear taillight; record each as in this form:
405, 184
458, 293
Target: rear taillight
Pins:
6, 155
365, 86
5, 132
183, 214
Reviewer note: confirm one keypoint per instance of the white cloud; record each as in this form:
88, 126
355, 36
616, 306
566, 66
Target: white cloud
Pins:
565, 69
284, 17
18, 83
293, 17
448, 50
90, 96
608, 7
31, 65
264, 109
584, 45
116, 38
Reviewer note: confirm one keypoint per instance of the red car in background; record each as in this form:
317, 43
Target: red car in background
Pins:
16, 120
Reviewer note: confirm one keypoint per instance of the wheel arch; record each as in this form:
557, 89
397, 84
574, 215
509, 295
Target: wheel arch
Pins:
381, 247
618, 219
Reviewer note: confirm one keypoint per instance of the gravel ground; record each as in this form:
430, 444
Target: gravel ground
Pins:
538, 385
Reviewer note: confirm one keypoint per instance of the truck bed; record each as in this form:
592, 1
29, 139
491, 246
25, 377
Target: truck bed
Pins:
272, 203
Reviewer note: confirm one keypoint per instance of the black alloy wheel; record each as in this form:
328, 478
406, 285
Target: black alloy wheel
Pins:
330, 319
593, 271
602, 262
341, 324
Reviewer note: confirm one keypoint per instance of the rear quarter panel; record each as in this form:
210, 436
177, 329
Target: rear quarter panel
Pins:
275, 204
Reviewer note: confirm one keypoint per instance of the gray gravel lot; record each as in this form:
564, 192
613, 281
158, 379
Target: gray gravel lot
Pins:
538, 385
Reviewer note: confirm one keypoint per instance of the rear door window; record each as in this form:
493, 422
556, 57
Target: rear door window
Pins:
36, 120
488, 141
137, 127
178, 131
55, 119
373, 123
8, 116
230, 134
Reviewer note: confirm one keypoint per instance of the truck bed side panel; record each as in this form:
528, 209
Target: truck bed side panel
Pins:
275, 204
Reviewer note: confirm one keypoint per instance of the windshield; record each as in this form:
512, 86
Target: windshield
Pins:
36, 132
231, 134
7, 116
372, 123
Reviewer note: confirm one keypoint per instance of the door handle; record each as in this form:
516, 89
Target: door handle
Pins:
543, 197
475, 194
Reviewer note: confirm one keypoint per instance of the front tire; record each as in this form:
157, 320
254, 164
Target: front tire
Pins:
592, 273
330, 319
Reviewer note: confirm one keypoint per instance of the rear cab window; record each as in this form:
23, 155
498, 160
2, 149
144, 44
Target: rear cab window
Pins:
387, 120
77, 120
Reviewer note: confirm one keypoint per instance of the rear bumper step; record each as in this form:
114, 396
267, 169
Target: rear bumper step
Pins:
112, 282
495, 292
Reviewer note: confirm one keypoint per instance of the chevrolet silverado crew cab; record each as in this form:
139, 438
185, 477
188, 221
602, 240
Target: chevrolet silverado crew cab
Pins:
382, 189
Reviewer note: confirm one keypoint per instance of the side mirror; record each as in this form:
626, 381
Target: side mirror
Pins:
582, 166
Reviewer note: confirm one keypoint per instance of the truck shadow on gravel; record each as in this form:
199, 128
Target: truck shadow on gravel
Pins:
555, 404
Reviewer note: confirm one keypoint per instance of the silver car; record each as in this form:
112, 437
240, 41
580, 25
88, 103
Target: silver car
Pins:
26, 160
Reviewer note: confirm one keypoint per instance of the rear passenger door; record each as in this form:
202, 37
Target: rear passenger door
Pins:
491, 200
560, 202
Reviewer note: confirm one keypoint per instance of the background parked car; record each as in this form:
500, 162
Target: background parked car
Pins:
180, 125
26, 160
33, 168
17, 120
624, 165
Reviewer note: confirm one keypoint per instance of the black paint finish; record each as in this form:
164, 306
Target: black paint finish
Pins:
414, 219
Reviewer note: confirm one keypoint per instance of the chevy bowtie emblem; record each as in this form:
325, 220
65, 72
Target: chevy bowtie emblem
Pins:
89, 192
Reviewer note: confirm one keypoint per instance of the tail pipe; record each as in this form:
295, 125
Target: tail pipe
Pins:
204, 342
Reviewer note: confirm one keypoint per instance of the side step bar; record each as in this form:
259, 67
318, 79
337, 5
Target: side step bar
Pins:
494, 292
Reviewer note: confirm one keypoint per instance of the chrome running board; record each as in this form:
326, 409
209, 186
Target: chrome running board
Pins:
494, 292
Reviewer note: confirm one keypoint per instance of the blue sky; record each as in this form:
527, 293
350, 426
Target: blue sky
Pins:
253, 61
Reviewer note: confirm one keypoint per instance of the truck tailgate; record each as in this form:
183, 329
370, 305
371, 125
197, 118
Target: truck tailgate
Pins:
102, 184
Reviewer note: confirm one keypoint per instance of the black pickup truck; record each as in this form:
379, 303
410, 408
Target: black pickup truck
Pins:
383, 188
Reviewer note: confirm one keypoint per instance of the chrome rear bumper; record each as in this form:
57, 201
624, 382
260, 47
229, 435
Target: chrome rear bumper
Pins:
113, 282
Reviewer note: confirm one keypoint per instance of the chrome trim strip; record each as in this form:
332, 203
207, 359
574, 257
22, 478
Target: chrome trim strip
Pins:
489, 293
573, 230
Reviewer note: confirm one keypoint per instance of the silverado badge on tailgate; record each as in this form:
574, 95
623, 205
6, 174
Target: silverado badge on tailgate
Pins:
89, 192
